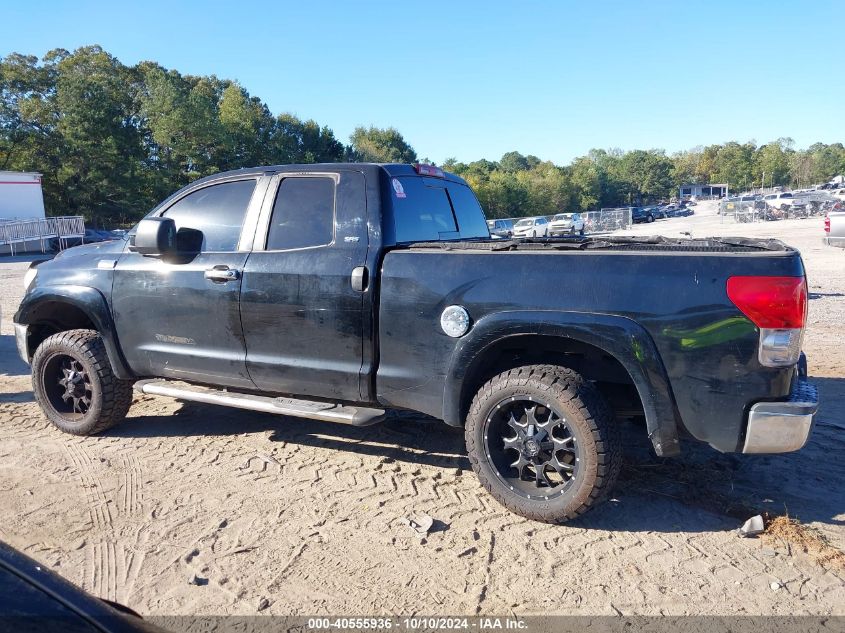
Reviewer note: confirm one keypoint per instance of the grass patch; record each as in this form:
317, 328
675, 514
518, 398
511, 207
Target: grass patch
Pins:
793, 533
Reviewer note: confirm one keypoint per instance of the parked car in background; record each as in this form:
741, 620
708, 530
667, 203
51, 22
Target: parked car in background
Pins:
659, 212
566, 224
531, 227
781, 201
640, 214
501, 229
834, 226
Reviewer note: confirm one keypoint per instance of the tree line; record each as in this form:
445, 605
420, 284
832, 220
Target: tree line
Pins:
517, 185
113, 140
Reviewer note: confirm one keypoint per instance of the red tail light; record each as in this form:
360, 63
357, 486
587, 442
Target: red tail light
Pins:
770, 302
827, 224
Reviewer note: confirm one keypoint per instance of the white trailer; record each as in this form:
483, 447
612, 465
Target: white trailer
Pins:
20, 196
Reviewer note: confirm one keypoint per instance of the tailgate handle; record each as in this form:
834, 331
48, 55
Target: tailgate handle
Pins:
359, 278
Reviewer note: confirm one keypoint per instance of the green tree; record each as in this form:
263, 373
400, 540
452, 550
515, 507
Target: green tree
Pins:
247, 129
377, 145
827, 160
296, 141
513, 162
586, 179
734, 165
183, 133
647, 175
774, 160
101, 152
27, 112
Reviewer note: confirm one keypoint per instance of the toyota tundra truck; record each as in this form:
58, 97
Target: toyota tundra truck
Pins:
345, 292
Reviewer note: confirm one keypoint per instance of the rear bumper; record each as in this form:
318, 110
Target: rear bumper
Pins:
781, 427
835, 241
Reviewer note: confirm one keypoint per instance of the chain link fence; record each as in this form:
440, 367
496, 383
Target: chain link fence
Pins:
607, 220
756, 209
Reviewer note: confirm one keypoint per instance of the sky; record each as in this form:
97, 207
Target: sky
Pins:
473, 80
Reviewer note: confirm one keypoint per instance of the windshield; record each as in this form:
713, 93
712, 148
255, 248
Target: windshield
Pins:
527, 222
563, 216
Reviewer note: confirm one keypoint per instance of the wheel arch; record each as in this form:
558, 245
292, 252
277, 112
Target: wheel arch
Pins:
51, 309
625, 348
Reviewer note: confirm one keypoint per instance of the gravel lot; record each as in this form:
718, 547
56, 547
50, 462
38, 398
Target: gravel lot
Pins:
307, 515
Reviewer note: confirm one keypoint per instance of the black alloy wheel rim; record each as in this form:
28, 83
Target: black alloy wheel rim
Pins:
531, 448
68, 386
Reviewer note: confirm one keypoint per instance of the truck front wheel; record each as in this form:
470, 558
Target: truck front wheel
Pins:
543, 442
75, 386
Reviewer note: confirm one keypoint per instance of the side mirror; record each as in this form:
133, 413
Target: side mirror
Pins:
155, 237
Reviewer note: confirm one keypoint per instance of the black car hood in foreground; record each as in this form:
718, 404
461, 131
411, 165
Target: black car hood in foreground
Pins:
96, 248
33, 598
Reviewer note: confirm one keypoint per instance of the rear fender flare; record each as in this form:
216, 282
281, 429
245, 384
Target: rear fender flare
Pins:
620, 337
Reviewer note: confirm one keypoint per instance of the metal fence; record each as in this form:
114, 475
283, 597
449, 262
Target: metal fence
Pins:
13, 233
607, 220
801, 206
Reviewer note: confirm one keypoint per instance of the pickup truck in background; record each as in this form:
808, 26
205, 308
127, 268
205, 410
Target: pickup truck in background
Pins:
788, 201
834, 226
339, 292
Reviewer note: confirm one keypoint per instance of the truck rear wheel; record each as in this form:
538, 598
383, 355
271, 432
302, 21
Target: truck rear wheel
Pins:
543, 442
75, 386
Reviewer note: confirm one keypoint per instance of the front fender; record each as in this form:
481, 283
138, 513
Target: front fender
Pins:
88, 300
620, 337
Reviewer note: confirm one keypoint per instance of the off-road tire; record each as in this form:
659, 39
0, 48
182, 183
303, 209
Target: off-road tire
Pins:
110, 397
589, 418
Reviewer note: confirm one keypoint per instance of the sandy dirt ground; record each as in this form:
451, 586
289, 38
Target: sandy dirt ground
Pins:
306, 517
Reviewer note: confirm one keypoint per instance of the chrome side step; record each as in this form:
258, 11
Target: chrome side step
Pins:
324, 411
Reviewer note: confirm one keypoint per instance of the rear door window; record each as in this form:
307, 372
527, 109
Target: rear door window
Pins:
303, 214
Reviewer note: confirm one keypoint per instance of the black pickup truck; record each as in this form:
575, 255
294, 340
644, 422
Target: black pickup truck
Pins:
341, 292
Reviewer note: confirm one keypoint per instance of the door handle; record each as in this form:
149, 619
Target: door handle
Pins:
359, 278
221, 274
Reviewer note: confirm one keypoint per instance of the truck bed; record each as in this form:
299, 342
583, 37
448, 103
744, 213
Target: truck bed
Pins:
640, 244
673, 289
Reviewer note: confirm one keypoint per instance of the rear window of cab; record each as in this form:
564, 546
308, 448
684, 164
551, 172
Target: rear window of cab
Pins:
431, 209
